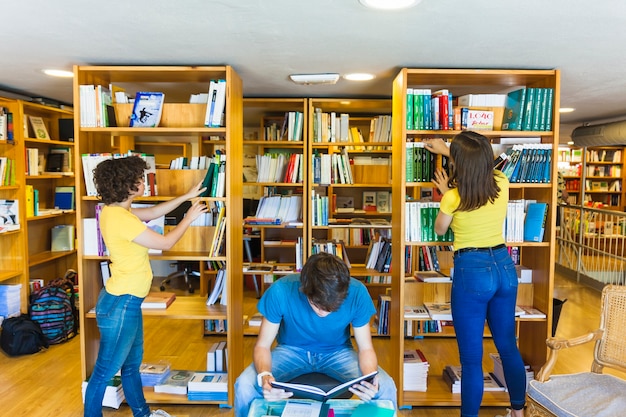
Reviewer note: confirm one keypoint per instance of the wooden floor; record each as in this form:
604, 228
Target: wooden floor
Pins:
48, 383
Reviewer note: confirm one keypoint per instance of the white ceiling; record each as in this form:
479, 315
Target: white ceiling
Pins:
265, 41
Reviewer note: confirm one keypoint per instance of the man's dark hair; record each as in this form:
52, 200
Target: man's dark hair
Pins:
325, 279
117, 178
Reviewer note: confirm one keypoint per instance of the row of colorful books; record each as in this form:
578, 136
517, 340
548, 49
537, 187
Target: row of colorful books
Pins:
421, 164
358, 236
333, 168
335, 128
420, 221
428, 110
279, 167
290, 129
529, 109
278, 209
7, 171
378, 255
426, 257
529, 163
337, 248
6, 125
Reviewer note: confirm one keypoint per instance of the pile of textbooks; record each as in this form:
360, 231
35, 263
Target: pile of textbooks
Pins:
10, 303
415, 371
153, 373
113, 395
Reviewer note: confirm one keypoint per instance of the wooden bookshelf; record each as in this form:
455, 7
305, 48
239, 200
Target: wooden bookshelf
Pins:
537, 256
183, 124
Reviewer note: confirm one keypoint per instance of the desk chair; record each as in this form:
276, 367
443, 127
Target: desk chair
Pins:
185, 270
321, 381
588, 393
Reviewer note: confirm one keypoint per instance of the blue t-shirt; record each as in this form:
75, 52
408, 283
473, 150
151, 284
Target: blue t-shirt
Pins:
284, 303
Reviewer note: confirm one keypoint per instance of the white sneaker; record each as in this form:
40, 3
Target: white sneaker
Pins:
159, 413
508, 413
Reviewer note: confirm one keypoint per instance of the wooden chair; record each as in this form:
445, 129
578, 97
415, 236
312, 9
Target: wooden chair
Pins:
588, 393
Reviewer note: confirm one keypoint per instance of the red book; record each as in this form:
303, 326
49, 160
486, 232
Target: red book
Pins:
158, 300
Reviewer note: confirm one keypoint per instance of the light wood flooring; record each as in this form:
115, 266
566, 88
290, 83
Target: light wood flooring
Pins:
48, 384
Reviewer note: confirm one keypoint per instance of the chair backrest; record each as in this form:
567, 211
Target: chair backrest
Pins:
610, 350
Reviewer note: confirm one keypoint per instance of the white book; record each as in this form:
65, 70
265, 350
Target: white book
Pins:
208, 382
220, 357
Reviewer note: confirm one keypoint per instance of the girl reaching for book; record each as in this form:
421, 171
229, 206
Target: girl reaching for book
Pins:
484, 286
118, 309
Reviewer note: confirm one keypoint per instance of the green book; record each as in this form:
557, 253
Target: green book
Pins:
528, 109
513, 110
409, 109
537, 109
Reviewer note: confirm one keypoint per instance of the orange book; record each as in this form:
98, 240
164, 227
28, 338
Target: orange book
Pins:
158, 300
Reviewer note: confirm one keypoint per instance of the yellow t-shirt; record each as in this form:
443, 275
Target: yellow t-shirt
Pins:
130, 265
480, 228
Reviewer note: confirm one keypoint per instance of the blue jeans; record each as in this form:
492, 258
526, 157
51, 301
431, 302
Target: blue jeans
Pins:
484, 287
289, 362
121, 347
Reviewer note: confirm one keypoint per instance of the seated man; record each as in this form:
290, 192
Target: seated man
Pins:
311, 314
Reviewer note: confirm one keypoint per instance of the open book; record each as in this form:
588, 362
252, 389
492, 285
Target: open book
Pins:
315, 393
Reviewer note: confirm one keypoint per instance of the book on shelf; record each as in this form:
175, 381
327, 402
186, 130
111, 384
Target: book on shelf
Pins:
344, 204
369, 200
147, 109
62, 238
9, 215
158, 300
415, 368
535, 222
208, 382
64, 197
415, 312
54, 162
383, 201
216, 101
318, 394
175, 383
153, 373
260, 268
432, 276
113, 394
39, 127
439, 311
529, 312
452, 377
255, 320
514, 109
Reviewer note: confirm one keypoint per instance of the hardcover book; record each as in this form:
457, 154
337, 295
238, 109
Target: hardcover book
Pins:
439, 311
158, 300
39, 127
175, 383
147, 109
535, 222
315, 393
514, 110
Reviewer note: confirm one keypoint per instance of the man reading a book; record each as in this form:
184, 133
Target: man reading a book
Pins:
310, 315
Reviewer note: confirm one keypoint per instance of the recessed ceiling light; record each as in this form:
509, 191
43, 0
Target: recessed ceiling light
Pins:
389, 4
58, 73
323, 78
566, 109
359, 76
571, 142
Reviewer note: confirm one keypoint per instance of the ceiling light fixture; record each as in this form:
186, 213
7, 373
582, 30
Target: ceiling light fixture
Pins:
566, 109
359, 76
308, 79
389, 4
58, 73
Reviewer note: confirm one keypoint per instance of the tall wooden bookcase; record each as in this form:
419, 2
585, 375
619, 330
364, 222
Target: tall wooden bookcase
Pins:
181, 122
267, 134
368, 178
30, 255
538, 256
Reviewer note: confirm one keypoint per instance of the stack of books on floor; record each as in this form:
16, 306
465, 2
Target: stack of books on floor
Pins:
415, 371
113, 395
208, 386
498, 370
153, 373
10, 303
452, 376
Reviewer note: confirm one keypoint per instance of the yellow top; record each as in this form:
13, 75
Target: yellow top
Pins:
130, 265
480, 228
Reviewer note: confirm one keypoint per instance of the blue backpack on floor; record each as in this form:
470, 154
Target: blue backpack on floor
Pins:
53, 308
